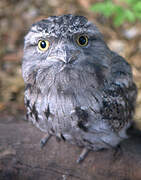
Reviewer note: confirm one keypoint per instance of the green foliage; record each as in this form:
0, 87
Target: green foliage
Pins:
120, 14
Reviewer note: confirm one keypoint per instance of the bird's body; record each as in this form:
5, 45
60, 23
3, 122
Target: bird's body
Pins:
77, 89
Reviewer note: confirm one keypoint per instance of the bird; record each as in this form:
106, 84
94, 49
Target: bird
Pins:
76, 88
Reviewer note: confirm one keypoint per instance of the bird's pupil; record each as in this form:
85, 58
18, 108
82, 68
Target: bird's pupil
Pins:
43, 44
82, 40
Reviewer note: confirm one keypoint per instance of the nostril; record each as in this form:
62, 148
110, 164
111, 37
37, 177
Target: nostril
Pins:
73, 56
72, 59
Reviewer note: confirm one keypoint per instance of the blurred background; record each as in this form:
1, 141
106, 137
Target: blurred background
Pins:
118, 20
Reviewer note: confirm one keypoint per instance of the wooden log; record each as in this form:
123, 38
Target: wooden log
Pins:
21, 157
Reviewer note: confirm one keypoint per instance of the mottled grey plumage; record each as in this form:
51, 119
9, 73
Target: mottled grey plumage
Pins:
85, 95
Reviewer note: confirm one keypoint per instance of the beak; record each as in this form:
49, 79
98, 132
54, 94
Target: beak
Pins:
65, 54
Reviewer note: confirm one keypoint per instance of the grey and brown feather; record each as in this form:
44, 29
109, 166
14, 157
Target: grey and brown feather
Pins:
85, 95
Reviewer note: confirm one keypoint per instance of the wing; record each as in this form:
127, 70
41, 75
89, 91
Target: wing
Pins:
119, 95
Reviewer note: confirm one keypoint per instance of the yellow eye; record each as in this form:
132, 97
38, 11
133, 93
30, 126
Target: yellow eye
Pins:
43, 45
82, 40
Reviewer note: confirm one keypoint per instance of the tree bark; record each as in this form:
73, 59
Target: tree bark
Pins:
21, 157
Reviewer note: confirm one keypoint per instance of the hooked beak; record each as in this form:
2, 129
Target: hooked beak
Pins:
64, 54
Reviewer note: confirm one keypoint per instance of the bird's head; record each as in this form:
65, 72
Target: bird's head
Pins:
62, 42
